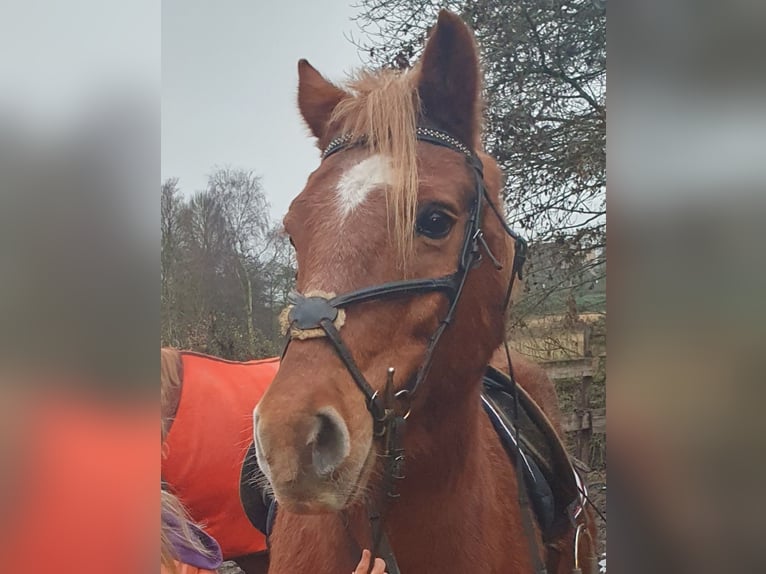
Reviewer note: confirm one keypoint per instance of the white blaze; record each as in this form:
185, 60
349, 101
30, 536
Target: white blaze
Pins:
356, 184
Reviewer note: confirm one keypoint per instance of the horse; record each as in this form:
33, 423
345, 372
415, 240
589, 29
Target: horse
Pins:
197, 446
373, 431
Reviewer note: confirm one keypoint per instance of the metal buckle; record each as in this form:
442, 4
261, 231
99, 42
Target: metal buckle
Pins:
402, 395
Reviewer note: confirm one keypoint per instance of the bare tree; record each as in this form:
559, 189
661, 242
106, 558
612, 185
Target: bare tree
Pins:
545, 121
226, 269
207, 261
246, 212
170, 205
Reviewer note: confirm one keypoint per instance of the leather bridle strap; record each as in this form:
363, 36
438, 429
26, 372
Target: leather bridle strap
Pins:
377, 411
394, 288
323, 311
425, 366
319, 312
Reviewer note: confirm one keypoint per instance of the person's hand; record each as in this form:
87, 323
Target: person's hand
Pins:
364, 565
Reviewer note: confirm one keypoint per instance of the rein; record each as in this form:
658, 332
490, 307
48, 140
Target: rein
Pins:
390, 410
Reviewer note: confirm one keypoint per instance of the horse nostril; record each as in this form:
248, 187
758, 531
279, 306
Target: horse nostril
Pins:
330, 442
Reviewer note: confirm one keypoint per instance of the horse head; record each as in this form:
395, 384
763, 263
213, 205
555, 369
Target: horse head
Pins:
397, 250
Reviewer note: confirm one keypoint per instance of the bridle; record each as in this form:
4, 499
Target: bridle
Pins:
315, 312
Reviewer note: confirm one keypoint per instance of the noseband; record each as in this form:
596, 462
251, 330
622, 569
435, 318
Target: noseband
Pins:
320, 314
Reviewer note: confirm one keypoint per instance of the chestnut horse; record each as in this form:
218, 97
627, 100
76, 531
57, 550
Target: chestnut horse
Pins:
211, 432
404, 265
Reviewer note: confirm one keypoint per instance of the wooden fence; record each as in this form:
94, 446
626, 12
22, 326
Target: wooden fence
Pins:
584, 421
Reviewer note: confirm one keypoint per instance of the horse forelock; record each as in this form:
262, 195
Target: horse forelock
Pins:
381, 112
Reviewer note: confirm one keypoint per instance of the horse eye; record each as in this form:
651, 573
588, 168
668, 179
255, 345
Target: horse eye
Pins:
434, 223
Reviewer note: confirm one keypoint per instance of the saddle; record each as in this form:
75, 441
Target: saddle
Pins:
553, 485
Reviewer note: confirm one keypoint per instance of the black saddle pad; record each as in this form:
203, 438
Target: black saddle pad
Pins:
548, 471
259, 505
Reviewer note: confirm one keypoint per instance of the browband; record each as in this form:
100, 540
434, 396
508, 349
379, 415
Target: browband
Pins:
430, 135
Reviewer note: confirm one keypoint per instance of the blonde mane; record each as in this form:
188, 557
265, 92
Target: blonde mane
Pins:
383, 113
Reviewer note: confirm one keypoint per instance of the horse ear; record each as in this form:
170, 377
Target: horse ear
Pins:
317, 98
449, 79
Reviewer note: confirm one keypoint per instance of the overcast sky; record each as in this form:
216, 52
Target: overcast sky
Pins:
229, 85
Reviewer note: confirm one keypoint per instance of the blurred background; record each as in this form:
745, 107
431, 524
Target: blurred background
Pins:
79, 257
687, 195
92, 92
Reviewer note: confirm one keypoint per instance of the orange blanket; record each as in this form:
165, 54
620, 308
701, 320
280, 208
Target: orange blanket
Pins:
207, 443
